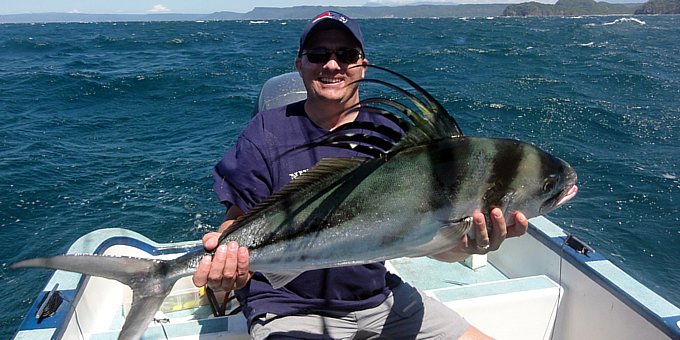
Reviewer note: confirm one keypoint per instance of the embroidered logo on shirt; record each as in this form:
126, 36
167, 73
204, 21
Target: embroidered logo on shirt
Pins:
297, 173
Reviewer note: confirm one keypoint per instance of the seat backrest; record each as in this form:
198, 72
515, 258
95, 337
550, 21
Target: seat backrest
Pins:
281, 90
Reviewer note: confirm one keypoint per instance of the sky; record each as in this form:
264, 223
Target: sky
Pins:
183, 6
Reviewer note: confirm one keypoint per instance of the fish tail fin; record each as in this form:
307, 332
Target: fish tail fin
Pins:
151, 281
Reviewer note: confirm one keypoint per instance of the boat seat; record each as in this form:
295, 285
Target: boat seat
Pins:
523, 308
520, 308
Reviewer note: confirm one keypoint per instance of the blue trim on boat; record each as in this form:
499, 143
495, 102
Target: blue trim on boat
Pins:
53, 322
139, 244
673, 322
584, 261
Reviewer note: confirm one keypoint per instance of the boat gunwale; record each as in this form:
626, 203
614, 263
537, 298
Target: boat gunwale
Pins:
667, 321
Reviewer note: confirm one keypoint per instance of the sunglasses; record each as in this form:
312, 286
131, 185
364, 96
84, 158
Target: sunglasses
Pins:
323, 55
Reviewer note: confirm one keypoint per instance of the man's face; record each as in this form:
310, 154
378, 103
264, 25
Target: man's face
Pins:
330, 81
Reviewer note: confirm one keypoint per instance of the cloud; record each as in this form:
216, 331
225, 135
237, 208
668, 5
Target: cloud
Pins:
159, 9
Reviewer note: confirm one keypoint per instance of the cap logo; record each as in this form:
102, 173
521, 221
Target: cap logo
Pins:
331, 15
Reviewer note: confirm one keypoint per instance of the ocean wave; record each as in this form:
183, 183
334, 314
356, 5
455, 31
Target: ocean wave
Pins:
625, 20
593, 44
12, 45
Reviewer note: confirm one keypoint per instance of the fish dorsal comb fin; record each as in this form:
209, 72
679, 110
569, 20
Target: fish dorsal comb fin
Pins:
430, 109
371, 145
378, 129
366, 137
328, 169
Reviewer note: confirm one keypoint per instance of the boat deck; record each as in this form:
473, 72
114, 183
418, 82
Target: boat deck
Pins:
486, 297
474, 293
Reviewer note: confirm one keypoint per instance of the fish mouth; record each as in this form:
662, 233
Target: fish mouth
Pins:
570, 194
570, 190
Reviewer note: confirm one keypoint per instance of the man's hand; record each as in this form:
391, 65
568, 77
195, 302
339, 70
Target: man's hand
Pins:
483, 242
228, 268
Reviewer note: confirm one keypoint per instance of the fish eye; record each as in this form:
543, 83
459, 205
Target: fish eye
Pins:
549, 183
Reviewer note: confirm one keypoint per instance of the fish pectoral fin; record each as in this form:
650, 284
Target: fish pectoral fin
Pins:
447, 237
456, 229
278, 280
464, 222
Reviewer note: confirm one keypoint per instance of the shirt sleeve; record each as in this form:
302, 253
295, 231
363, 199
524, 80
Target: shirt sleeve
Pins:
242, 177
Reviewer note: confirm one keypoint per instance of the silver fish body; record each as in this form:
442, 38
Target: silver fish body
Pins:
417, 203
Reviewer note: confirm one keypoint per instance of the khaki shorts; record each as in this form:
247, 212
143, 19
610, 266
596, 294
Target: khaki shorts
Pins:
407, 313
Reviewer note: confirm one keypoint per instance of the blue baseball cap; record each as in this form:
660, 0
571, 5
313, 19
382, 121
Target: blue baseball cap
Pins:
331, 19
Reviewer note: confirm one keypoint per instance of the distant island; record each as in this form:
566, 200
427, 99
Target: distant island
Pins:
562, 8
275, 13
369, 12
660, 7
569, 8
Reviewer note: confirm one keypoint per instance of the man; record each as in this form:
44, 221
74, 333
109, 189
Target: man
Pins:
347, 302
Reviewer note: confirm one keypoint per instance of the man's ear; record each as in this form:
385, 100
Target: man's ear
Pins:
364, 63
298, 64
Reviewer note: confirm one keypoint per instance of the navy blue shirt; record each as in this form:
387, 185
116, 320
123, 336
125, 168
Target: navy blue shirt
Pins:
260, 164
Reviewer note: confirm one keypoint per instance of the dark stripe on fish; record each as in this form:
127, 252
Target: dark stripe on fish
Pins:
505, 166
444, 186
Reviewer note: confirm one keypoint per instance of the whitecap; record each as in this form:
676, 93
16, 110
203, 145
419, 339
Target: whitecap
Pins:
667, 175
624, 20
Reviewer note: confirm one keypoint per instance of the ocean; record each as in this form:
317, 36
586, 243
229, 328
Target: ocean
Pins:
118, 124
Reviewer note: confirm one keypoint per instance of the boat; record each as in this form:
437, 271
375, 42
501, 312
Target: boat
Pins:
545, 284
